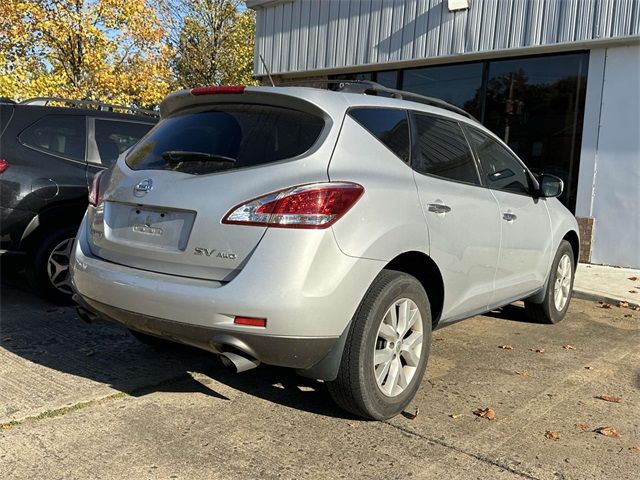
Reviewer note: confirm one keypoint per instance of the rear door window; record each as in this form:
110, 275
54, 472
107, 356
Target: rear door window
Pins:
63, 135
228, 137
113, 137
389, 125
442, 150
501, 170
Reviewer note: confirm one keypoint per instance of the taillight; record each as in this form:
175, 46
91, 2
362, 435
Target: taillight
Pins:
316, 205
95, 196
3, 166
217, 90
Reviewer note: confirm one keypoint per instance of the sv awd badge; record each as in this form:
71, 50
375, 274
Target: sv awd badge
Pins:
212, 252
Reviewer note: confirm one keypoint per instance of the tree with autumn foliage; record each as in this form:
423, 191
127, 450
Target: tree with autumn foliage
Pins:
107, 50
214, 42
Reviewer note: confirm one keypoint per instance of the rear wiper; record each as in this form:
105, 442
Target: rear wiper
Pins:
177, 156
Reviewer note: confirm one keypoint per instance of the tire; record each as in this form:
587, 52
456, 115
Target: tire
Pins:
356, 388
48, 270
156, 343
562, 274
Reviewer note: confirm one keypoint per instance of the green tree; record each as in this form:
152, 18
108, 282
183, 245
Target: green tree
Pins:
214, 43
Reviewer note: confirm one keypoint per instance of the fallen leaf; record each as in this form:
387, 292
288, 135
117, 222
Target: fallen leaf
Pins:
537, 350
633, 279
552, 435
568, 346
583, 426
522, 373
588, 368
609, 398
487, 413
506, 346
634, 449
438, 339
456, 415
623, 304
604, 304
409, 415
607, 432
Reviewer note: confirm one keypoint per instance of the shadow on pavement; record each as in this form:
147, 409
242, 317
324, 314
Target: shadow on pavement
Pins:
56, 338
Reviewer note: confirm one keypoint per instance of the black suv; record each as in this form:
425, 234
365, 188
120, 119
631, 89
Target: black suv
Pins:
48, 157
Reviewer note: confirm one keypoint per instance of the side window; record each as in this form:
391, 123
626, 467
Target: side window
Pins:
442, 150
114, 137
389, 125
58, 134
500, 169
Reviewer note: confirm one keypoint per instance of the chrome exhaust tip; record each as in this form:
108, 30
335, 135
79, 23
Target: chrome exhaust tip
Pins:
238, 362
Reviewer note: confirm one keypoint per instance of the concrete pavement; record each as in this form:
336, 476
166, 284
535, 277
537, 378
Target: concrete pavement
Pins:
86, 401
607, 284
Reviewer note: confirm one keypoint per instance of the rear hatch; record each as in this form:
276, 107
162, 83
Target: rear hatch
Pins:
162, 205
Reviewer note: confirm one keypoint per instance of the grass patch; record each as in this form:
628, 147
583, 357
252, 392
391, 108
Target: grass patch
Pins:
58, 412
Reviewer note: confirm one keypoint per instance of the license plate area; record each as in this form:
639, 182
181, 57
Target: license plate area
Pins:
156, 227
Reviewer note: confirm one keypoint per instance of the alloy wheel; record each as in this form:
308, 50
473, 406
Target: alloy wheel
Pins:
398, 347
562, 286
58, 266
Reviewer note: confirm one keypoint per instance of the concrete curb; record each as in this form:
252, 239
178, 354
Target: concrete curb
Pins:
598, 297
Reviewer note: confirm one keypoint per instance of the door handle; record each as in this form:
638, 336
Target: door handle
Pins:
509, 217
438, 208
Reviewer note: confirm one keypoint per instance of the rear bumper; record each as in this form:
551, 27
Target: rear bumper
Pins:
305, 287
293, 352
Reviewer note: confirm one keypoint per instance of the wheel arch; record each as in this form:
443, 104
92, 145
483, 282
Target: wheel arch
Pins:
422, 267
57, 215
572, 237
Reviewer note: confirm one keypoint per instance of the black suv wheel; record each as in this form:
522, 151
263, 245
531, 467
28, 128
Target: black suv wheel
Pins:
48, 270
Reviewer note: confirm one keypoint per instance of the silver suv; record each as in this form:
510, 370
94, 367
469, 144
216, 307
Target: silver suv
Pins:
324, 231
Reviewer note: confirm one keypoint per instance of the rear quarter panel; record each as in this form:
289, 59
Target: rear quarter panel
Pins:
388, 219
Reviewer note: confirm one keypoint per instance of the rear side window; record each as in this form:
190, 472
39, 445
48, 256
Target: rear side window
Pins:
231, 136
58, 134
389, 125
114, 137
442, 150
500, 168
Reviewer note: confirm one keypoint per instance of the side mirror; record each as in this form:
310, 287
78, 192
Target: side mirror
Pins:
550, 185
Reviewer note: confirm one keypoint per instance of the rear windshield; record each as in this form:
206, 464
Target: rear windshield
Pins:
231, 136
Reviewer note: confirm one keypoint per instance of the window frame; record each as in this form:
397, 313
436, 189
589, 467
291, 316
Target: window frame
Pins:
92, 155
414, 143
57, 154
533, 184
409, 128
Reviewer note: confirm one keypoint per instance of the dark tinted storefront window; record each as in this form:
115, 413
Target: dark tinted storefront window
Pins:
536, 105
459, 85
388, 79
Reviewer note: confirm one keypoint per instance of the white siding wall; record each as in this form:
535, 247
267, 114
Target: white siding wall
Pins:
302, 35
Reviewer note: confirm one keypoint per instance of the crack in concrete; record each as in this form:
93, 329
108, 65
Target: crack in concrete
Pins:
478, 456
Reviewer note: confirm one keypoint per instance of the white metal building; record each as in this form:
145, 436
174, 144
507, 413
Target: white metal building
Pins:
558, 80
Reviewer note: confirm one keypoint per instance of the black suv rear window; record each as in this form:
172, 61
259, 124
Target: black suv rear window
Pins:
231, 136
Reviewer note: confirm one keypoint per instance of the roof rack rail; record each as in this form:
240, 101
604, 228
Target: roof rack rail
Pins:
44, 101
363, 86
366, 86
